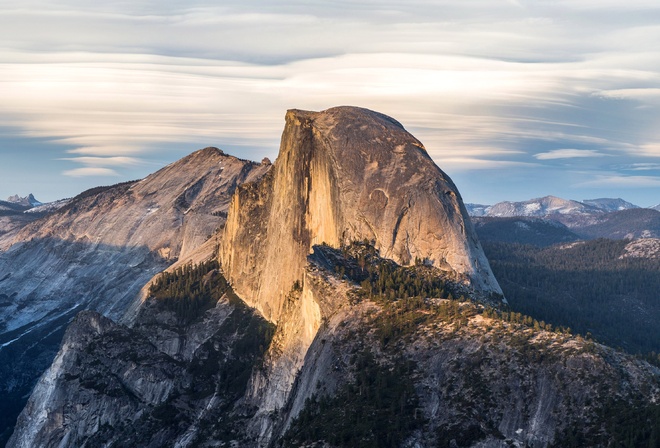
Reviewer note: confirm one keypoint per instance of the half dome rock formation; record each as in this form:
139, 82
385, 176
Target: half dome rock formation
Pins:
342, 175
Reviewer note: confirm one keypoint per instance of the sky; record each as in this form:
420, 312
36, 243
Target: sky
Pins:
513, 99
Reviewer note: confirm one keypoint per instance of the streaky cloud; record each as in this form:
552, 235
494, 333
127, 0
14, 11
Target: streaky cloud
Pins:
91, 172
622, 181
104, 161
568, 153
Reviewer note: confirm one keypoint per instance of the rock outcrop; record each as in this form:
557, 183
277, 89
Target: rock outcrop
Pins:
342, 175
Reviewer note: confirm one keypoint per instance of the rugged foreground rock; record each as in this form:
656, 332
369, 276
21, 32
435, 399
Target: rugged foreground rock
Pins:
361, 312
379, 372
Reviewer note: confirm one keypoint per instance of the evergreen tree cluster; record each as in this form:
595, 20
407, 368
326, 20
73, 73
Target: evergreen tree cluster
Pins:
190, 290
625, 424
377, 409
383, 279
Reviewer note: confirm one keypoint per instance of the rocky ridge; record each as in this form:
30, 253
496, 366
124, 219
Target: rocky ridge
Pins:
27, 201
550, 206
98, 251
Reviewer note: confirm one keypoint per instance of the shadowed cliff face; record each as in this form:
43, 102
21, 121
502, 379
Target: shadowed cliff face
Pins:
347, 174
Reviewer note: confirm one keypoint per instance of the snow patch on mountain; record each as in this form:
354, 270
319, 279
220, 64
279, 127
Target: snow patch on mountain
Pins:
49, 207
477, 209
539, 207
551, 205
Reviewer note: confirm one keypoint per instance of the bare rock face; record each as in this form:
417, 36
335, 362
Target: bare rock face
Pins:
346, 174
132, 229
170, 212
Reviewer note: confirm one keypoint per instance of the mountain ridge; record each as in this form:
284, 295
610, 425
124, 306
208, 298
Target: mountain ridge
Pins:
98, 251
595, 218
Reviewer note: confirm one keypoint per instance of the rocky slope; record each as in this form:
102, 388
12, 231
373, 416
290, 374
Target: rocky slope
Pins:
98, 251
642, 248
624, 224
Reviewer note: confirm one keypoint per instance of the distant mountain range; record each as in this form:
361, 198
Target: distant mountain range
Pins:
551, 220
551, 205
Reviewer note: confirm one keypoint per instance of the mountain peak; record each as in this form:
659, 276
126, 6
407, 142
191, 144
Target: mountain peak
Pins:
610, 204
28, 201
343, 113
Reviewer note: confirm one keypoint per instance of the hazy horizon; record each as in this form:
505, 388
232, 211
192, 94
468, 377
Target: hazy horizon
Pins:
514, 100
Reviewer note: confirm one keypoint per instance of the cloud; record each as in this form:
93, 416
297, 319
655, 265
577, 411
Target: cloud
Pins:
643, 167
642, 94
649, 150
568, 153
458, 164
91, 171
481, 83
104, 161
619, 181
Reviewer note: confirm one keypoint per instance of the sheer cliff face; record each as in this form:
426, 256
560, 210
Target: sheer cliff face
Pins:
347, 174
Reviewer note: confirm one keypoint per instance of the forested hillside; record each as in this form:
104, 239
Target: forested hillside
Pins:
587, 286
